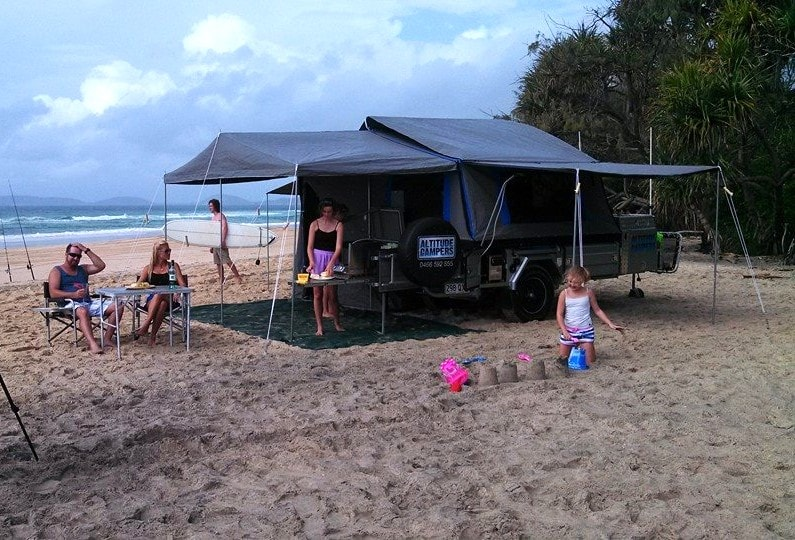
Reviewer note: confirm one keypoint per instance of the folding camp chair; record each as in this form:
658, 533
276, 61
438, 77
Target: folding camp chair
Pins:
55, 312
177, 313
59, 313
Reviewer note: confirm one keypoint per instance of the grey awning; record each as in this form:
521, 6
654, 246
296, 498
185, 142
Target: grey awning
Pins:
245, 157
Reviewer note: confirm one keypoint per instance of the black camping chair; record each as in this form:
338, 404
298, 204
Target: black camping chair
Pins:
57, 312
178, 312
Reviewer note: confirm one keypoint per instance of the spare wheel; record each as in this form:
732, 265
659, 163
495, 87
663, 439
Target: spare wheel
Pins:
428, 251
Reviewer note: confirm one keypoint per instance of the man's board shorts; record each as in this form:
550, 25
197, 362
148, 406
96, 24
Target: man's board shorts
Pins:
578, 335
94, 307
221, 256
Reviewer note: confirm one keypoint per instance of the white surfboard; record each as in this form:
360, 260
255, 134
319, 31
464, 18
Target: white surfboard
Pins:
207, 233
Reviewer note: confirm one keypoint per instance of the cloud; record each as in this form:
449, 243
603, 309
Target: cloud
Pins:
219, 34
324, 45
180, 76
225, 44
117, 84
461, 6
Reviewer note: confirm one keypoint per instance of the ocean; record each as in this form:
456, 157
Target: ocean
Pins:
48, 225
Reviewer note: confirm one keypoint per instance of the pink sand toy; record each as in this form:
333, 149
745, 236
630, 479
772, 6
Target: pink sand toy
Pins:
454, 374
524, 357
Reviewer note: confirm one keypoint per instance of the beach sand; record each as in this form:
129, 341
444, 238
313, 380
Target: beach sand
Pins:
684, 429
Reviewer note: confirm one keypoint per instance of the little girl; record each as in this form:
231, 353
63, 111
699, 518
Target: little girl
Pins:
574, 315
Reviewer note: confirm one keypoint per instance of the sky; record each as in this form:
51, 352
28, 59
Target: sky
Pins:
100, 98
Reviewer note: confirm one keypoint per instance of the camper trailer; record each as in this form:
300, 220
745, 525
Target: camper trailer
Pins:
409, 235
473, 209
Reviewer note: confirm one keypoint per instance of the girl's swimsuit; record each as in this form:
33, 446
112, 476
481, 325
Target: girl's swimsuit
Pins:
578, 320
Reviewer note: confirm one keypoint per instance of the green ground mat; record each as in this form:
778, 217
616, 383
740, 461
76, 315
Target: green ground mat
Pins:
361, 327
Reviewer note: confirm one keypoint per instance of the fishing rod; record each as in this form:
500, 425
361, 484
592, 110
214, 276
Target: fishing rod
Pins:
5, 248
15, 410
21, 232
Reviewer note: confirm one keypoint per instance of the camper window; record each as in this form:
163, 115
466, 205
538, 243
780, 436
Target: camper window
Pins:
539, 198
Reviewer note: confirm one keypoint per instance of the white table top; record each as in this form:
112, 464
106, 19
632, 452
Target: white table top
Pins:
127, 291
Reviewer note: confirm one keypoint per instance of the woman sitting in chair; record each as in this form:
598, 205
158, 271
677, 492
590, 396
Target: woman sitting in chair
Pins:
156, 273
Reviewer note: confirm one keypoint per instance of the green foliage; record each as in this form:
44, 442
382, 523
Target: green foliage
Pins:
731, 102
716, 81
597, 81
559, 95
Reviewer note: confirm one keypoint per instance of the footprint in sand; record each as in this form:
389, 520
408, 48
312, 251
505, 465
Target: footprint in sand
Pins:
47, 487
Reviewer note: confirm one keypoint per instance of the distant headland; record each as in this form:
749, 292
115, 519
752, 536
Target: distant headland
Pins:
128, 202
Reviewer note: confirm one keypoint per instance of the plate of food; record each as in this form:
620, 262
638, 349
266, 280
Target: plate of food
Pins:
321, 277
139, 285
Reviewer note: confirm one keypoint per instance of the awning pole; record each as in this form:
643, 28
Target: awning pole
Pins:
577, 232
165, 209
715, 249
220, 258
294, 192
579, 218
650, 162
268, 230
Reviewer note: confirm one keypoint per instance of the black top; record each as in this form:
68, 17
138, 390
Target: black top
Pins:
326, 241
157, 279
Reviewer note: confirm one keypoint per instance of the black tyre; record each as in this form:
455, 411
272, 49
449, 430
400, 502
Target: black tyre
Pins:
432, 264
533, 298
637, 292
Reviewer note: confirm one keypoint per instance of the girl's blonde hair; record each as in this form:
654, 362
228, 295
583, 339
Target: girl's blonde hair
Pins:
577, 272
158, 244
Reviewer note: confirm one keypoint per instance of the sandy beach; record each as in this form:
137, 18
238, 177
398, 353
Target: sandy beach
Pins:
685, 428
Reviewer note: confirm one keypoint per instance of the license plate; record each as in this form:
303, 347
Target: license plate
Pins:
454, 288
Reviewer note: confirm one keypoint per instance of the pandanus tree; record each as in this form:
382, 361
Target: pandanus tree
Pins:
714, 79
732, 102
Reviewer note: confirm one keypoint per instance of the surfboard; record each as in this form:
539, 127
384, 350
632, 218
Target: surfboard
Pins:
207, 233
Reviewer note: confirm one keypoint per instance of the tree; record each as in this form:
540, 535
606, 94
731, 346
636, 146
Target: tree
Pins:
732, 102
714, 77
596, 82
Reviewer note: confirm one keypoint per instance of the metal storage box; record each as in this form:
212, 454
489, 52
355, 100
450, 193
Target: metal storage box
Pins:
638, 243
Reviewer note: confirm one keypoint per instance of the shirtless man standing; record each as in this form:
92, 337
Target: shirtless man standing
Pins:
221, 255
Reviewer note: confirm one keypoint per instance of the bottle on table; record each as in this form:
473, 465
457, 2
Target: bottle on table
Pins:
172, 275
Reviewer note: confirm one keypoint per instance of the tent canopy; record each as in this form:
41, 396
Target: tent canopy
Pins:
461, 162
483, 140
247, 157
393, 145
507, 144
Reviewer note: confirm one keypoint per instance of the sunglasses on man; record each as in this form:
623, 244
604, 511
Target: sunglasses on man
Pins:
75, 255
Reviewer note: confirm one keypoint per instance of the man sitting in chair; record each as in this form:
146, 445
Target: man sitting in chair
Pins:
69, 281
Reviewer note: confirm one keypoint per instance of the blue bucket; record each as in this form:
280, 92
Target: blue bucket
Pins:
577, 359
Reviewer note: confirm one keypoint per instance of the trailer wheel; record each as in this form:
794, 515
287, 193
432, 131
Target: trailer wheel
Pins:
533, 297
430, 272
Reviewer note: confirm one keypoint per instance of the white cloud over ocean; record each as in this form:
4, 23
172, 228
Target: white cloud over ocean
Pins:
136, 89
117, 84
